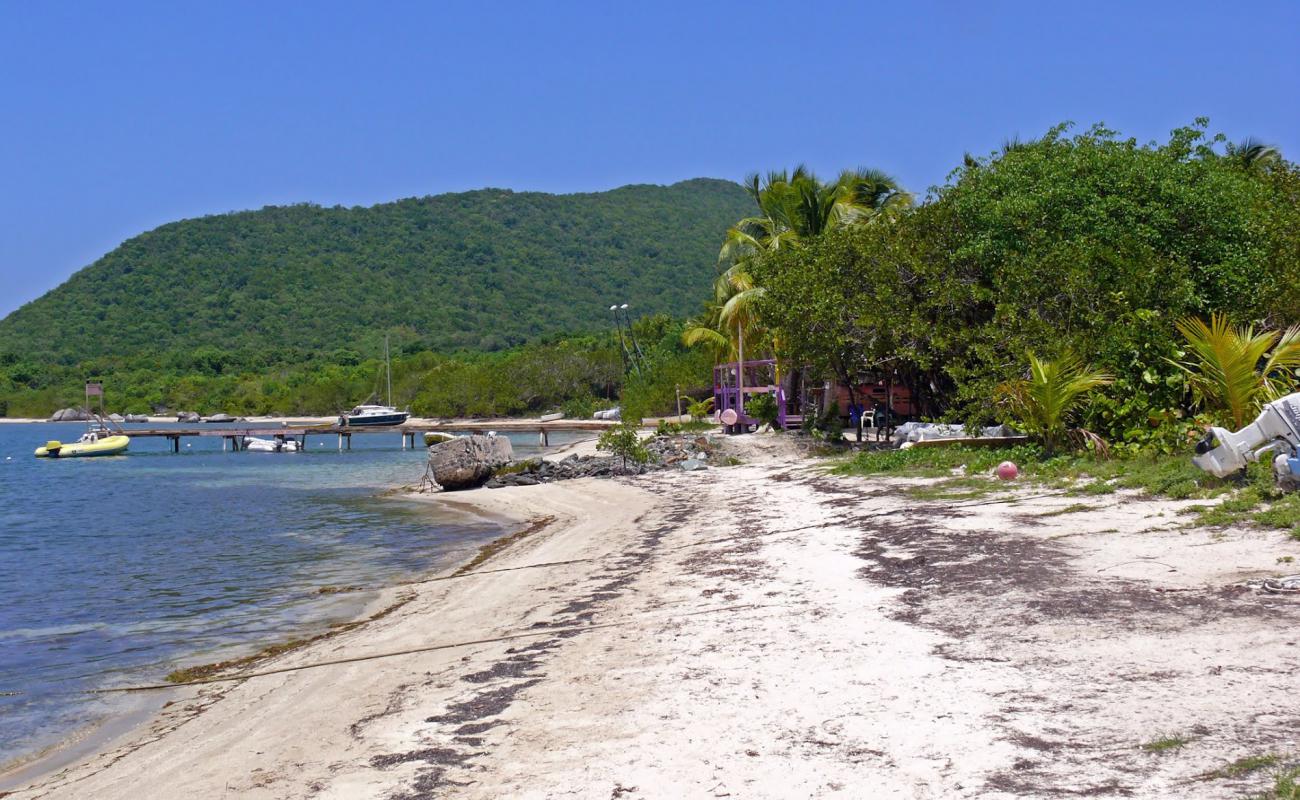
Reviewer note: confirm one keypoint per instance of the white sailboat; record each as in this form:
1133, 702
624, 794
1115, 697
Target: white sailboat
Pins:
376, 414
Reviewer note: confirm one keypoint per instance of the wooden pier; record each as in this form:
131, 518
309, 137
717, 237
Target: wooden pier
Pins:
233, 437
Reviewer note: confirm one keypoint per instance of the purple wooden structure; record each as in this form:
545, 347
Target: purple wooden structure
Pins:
730, 392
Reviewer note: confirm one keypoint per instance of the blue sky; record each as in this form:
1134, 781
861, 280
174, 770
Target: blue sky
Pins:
117, 117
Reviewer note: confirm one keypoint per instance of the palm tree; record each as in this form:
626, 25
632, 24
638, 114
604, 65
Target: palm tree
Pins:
1224, 368
795, 206
1044, 401
729, 320
1251, 154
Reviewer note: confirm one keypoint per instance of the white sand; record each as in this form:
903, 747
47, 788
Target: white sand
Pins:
765, 631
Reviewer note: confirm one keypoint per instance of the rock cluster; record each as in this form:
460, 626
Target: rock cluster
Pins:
670, 450
665, 452
531, 473
188, 416
70, 415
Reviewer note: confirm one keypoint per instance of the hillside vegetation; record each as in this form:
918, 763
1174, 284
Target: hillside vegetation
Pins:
481, 271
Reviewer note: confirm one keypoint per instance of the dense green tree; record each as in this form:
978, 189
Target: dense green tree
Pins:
1088, 243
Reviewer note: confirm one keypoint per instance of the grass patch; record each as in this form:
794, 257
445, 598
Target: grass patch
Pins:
1244, 766
1162, 476
1094, 488
934, 462
1250, 499
516, 466
1286, 786
1258, 502
1284, 513
955, 489
1075, 508
1164, 743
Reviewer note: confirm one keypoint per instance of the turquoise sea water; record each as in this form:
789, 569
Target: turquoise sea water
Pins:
113, 569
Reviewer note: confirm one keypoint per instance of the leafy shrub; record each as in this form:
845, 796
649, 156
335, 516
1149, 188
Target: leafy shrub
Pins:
667, 428
1043, 402
825, 425
624, 440
579, 407
700, 409
763, 408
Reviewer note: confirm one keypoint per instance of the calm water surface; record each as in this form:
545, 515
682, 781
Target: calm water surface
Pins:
114, 568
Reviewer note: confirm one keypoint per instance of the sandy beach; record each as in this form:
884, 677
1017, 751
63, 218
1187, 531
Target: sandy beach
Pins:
765, 630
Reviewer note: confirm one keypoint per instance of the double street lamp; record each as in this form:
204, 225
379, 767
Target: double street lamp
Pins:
634, 355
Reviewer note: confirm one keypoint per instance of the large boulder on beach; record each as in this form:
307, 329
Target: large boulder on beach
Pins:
70, 415
467, 462
188, 416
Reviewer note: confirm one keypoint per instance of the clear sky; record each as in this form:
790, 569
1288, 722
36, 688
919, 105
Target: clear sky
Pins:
117, 117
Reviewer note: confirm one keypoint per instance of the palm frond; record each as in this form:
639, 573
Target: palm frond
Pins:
740, 308
1279, 371
1044, 401
700, 336
1251, 154
1224, 368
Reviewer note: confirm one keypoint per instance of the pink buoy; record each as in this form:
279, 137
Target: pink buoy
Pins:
1008, 471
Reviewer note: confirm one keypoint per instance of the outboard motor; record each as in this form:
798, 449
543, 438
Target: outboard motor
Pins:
1276, 430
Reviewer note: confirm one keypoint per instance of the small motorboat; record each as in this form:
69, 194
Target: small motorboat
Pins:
258, 445
98, 441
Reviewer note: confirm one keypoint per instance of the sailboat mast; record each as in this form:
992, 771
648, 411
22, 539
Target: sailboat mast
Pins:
388, 370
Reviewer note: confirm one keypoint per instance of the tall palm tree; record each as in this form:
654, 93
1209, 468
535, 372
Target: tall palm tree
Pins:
730, 321
793, 207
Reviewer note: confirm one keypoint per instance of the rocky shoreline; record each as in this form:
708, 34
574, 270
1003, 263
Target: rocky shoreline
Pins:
472, 461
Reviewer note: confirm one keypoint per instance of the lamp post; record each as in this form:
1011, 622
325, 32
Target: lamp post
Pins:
628, 319
622, 343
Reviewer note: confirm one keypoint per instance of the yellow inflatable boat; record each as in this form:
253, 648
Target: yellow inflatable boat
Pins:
91, 443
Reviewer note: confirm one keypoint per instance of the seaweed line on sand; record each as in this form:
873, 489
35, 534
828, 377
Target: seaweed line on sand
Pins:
200, 672
495, 546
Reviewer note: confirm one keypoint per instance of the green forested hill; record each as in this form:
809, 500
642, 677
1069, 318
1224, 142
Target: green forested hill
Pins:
479, 270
